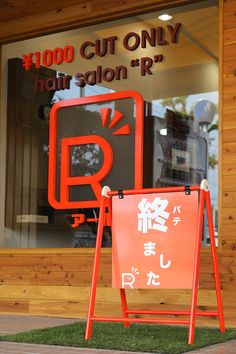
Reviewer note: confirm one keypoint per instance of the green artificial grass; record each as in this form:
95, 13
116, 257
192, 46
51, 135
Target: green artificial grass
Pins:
144, 338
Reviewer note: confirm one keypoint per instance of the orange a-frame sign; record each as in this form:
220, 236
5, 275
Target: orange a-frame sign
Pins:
164, 227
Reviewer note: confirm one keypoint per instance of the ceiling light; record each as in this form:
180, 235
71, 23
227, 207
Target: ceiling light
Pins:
165, 17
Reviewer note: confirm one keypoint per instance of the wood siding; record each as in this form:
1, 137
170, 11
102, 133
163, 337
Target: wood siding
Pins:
228, 129
56, 282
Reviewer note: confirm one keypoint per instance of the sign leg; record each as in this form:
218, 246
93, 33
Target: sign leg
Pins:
214, 261
124, 306
196, 269
101, 222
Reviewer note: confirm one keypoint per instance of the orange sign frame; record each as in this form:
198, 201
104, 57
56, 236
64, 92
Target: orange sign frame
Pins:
105, 218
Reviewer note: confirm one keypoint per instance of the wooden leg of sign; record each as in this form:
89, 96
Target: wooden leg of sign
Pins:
214, 261
124, 306
196, 269
101, 223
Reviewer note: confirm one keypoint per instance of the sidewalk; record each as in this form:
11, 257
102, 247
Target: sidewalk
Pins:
10, 324
13, 348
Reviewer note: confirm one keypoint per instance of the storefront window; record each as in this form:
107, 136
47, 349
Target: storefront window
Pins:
174, 67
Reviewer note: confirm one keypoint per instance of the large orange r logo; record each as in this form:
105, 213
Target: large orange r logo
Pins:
109, 121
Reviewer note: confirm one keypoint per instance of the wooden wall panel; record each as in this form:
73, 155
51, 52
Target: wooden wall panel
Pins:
14, 306
59, 285
228, 237
230, 67
230, 38
228, 134
229, 14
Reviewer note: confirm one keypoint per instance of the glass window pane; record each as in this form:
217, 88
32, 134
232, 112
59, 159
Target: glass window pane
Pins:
173, 65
